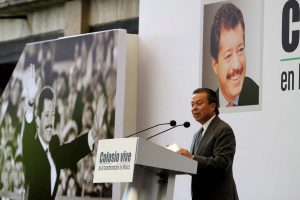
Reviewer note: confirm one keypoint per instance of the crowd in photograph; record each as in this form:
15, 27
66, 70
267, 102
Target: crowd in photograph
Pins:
79, 81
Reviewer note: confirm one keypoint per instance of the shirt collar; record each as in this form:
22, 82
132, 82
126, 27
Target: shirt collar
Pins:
206, 124
223, 102
44, 145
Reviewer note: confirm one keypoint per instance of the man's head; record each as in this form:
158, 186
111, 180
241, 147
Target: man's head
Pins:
6, 173
15, 88
87, 116
227, 48
204, 104
46, 113
18, 173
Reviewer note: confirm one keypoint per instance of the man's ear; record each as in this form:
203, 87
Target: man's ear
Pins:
214, 64
213, 106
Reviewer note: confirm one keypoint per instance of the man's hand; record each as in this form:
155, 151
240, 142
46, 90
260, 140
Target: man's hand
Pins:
30, 85
185, 153
99, 116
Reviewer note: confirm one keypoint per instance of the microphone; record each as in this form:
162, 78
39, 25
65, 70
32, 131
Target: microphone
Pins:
171, 123
185, 125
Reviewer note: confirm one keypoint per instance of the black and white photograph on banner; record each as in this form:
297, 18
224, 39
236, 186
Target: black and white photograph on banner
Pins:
58, 103
232, 52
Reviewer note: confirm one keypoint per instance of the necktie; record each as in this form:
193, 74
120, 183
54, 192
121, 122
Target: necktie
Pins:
230, 104
197, 140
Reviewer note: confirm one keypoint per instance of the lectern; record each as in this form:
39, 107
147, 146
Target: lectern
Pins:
148, 169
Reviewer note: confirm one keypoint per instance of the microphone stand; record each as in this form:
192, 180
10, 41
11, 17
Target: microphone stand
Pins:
146, 129
161, 132
185, 124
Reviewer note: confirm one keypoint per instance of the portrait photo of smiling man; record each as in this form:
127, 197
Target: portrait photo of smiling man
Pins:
225, 61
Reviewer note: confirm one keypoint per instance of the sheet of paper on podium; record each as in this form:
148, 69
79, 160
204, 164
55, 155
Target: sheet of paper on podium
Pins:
173, 147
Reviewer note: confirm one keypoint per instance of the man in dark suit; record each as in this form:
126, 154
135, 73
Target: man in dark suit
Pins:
213, 147
43, 154
228, 58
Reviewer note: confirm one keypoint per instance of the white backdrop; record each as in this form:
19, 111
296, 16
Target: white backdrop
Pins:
267, 160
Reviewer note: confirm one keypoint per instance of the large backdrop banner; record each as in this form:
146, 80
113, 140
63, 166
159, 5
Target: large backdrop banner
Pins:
61, 92
232, 52
176, 57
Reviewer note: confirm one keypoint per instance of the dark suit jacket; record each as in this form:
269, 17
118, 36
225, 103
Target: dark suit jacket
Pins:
215, 153
249, 94
37, 167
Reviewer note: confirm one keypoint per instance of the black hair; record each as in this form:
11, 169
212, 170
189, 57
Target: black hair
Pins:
227, 17
19, 158
46, 93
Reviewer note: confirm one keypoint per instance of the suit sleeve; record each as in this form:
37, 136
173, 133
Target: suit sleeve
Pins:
219, 152
28, 135
69, 154
28, 146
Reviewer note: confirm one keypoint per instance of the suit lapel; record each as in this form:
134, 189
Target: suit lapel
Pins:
208, 134
192, 149
54, 150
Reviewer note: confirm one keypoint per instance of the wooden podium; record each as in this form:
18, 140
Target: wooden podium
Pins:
152, 171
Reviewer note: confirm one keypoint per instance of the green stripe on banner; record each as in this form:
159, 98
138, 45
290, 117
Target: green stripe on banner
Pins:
287, 59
